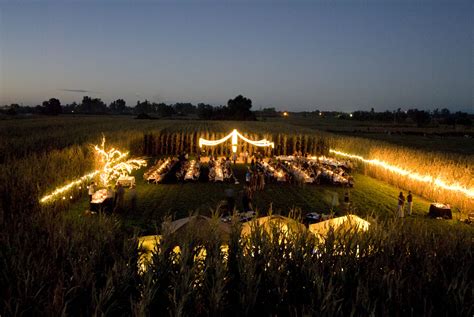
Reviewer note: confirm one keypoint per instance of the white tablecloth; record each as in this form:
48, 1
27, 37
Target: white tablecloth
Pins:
99, 196
126, 180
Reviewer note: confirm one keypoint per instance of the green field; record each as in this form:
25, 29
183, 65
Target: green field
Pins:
370, 198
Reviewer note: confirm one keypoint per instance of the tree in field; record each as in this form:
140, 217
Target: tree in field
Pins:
118, 106
420, 117
52, 107
163, 110
144, 107
184, 108
92, 105
239, 108
205, 111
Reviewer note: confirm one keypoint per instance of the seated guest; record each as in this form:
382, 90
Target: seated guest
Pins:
92, 189
212, 173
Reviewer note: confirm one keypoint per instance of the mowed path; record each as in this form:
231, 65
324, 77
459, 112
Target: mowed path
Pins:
369, 197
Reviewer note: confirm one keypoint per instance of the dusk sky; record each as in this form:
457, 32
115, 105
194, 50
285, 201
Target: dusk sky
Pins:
328, 55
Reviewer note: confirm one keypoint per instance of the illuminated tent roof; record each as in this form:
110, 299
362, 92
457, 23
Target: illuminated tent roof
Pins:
285, 224
348, 222
198, 223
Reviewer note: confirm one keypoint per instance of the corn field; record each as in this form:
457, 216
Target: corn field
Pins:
51, 266
62, 150
54, 264
449, 167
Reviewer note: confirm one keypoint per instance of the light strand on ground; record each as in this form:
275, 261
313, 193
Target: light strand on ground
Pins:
437, 182
235, 135
62, 190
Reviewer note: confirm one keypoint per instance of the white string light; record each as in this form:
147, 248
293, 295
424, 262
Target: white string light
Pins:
235, 135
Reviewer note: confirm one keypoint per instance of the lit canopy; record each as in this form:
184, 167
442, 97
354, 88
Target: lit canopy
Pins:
235, 135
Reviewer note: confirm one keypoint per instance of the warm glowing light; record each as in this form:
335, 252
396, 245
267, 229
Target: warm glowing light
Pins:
437, 182
66, 188
190, 171
111, 169
235, 135
285, 114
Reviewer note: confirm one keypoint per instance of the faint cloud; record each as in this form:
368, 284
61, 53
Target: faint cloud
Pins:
82, 91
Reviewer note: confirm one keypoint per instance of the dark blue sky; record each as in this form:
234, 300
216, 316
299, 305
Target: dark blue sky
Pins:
341, 55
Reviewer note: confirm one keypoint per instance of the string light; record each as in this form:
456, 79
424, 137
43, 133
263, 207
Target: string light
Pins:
112, 168
235, 135
438, 182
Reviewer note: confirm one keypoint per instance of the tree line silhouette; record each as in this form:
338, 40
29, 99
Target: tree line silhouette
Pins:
236, 109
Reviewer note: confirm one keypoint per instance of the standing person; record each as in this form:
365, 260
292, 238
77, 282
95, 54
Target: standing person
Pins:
247, 199
410, 203
261, 182
133, 198
401, 205
119, 194
92, 188
346, 199
234, 158
229, 195
109, 201
253, 181
246, 157
247, 177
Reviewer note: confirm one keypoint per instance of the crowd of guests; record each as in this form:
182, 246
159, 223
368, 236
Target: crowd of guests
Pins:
221, 169
189, 170
314, 170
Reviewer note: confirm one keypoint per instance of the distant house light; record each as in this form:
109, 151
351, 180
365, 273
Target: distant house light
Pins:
285, 114
350, 115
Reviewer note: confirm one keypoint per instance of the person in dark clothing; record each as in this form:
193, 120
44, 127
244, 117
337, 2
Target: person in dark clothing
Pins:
346, 199
401, 205
410, 203
229, 195
119, 195
133, 198
247, 199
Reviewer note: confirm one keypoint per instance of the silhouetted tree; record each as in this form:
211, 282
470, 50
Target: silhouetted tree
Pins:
144, 107
92, 105
183, 108
52, 107
205, 111
163, 110
118, 106
420, 117
239, 108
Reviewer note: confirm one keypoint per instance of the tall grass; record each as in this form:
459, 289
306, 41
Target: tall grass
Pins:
447, 166
53, 267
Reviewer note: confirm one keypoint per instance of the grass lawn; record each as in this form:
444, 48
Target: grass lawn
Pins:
155, 201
